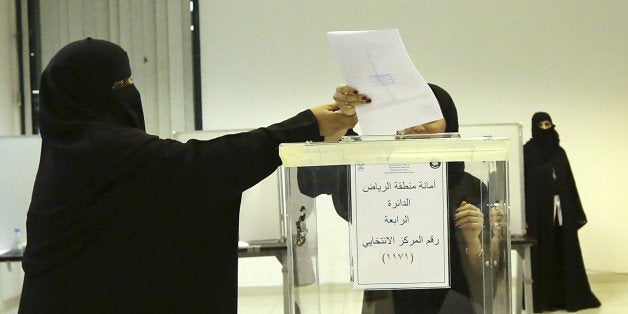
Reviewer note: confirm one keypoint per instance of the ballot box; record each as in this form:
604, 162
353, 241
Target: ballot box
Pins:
379, 224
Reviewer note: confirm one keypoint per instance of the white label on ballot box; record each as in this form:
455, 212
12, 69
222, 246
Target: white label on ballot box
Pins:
399, 226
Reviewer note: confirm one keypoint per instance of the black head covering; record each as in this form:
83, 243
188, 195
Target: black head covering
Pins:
544, 143
455, 170
541, 134
447, 107
76, 89
91, 136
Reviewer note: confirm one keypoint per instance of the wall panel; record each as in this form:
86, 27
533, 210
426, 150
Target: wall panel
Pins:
144, 28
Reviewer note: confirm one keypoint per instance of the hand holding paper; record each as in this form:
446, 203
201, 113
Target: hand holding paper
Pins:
347, 98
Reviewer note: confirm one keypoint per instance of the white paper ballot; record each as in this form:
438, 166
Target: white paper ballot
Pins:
377, 64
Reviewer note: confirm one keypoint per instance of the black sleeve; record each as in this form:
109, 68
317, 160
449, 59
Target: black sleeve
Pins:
236, 162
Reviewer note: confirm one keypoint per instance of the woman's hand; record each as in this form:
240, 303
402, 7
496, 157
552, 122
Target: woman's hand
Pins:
497, 215
331, 121
497, 219
335, 119
470, 219
347, 98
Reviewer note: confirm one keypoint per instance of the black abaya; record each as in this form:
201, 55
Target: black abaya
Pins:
124, 222
558, 273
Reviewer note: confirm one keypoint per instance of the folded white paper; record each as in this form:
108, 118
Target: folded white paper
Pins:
377, 64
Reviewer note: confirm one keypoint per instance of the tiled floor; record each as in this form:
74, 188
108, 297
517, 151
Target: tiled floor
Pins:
611, 289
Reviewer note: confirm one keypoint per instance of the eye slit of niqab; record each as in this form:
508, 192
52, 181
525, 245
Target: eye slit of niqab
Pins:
122, 83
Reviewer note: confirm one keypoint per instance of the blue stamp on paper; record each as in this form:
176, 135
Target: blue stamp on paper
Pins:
382, 79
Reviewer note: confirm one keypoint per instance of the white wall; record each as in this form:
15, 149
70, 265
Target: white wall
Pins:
19, 157
500, 60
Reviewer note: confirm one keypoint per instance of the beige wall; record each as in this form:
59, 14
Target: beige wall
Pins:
9, 82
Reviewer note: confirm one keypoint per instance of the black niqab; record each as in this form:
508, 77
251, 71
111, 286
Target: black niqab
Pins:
91, 136
544, 142
77, 89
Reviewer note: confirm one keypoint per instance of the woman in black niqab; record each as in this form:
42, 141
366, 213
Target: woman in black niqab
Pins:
544, 142
92, 135
465, 294
554, 214
125, 222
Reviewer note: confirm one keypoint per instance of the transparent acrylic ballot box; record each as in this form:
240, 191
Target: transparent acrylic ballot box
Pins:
398, 224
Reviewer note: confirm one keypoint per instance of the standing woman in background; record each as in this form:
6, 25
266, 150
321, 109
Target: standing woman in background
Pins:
554, 214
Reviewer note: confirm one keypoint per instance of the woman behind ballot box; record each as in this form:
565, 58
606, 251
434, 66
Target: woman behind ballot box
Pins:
465, 226
121, 221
